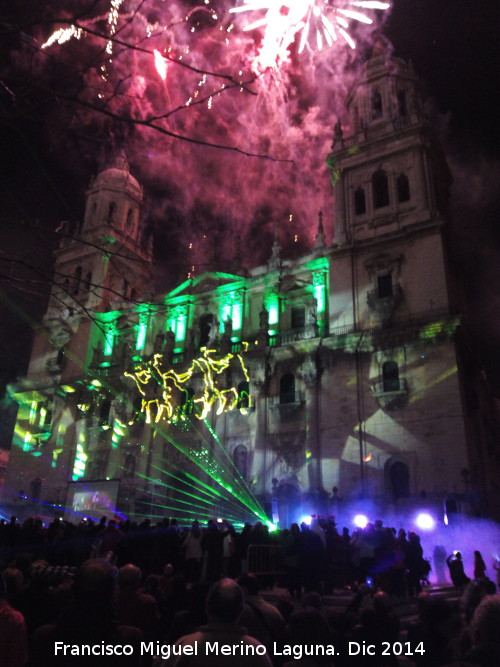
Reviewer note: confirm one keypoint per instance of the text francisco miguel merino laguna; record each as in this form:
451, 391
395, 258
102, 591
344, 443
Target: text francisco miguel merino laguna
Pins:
156, 649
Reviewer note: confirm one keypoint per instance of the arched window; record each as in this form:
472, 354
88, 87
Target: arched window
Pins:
205, 326
359, 202
287, 388
111, 212
403, 188
390, 376
93, 213
130, 218
129, 467
384, 285
76, 279
187, 401
380, 186
399, 478
377, 109
240, 460
243, 395
402, 105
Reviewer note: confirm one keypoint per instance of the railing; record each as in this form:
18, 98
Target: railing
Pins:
287, 398
265, 559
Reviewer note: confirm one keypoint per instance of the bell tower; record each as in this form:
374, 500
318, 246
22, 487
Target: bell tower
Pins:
105, 259
390, 173
102, 264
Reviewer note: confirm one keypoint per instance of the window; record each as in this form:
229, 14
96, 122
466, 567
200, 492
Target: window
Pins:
399, 477
384, 285
403, 188
111, 212
129, 467
380, 186
240, 460
76, 280
298, 318
376, 105
359, 202
287, 388
402, 105
130, 218
390, 376
243, 395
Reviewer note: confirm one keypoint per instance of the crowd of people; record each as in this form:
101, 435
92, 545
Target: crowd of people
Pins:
147, 587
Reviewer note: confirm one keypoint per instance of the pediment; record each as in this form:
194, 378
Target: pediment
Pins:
206, 282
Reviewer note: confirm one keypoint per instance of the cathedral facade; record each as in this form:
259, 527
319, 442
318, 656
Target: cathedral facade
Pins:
294, 387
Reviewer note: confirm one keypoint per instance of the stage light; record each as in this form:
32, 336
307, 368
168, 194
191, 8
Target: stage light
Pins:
306, 520
360, 520
425, 521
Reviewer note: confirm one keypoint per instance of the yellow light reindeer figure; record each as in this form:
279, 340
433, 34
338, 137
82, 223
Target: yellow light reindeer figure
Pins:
147, 384
154, 374
211, 368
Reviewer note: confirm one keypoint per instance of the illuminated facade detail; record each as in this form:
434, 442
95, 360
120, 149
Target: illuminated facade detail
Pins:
80, 462
177, 322
156, 376
142, 330
233, 392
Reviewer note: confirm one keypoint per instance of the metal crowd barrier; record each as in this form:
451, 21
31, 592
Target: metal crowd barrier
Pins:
265, 559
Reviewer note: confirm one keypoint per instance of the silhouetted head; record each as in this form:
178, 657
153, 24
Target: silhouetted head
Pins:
129, 577
249, 583
94, 583
224, 601
484, 626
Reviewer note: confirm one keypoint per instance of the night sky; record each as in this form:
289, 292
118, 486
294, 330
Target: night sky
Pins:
210, 197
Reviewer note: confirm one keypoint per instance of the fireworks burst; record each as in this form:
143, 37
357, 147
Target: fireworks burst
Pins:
318, 22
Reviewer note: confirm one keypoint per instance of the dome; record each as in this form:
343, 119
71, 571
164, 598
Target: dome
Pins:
118, 176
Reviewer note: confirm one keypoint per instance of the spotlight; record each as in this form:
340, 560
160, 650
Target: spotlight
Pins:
425, 521
360, 520
306, 520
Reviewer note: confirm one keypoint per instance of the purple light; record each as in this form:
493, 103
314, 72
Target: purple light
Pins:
360, 520
425, 521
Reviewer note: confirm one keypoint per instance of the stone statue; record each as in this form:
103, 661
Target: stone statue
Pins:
263, 319
213, 333
312, 320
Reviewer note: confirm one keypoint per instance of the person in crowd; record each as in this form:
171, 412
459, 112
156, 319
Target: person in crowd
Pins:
193, 553
134, 607
479, 566
474, 592
212, 545
485, 651
414, 564
187, 620
224, 606
261, 619
308, 626
456, 568
436, 631
88, 620
291, 557
13, 641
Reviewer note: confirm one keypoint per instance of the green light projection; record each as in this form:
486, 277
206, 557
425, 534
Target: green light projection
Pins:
272, 306
228, 495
